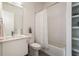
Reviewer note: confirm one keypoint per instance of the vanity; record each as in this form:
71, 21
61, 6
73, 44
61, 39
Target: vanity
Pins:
14, 46
13, 42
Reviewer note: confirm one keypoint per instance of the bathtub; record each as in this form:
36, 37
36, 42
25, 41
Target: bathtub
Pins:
53, 50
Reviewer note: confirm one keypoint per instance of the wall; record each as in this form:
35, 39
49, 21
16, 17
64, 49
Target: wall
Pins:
57, 24
28, 17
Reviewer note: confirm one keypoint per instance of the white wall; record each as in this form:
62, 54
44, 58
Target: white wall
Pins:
57, 24
28, 17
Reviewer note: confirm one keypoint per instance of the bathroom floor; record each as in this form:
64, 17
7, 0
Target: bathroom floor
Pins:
41, 53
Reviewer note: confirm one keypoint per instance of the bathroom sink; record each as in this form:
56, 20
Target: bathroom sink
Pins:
16, 37
13, 37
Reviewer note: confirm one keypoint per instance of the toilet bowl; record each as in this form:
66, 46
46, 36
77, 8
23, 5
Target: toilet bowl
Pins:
34, 50
35, 46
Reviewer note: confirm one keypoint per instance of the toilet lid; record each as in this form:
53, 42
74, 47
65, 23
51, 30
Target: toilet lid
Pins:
35, 45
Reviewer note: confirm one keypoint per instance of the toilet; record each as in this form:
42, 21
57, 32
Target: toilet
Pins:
34, 49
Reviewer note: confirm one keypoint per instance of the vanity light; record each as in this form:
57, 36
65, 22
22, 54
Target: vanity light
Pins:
19, 4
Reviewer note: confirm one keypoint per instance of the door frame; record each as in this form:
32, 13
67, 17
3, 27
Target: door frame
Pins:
68, 29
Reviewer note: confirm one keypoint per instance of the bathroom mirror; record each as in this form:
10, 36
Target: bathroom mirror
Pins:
12, 17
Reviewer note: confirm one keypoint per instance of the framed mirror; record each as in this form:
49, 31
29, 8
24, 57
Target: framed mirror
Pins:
12, 17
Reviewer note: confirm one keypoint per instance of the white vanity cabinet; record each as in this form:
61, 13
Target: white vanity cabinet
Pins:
14, 46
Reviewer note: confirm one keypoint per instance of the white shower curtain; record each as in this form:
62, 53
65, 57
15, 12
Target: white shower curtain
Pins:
41, 28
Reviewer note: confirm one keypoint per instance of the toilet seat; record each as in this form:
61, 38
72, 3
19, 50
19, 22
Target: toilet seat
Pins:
35, 46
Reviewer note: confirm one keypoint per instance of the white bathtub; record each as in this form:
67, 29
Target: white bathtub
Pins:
54, 50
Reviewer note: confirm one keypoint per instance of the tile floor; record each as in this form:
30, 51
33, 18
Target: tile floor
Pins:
41, 53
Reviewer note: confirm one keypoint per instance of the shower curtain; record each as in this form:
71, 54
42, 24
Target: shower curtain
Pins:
41, 31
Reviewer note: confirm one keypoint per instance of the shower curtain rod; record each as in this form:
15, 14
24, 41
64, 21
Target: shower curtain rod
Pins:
52, 4
48, 6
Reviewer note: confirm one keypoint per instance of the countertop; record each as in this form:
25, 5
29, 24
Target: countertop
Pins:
11, 38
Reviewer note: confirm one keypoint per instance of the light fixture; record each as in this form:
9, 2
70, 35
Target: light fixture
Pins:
19, 4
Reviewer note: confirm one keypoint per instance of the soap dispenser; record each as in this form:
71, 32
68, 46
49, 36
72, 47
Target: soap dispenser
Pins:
30, 30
